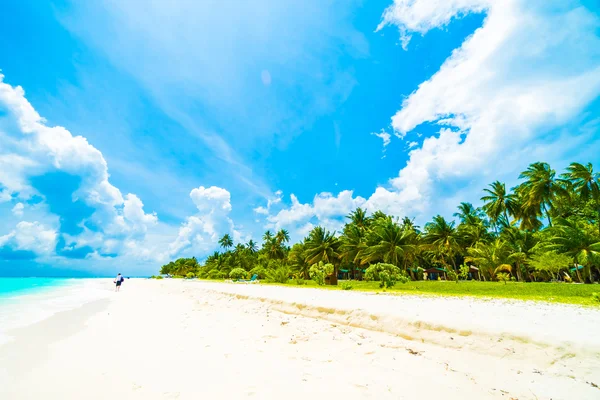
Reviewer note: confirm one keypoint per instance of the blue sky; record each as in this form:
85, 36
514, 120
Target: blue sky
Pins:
135, 132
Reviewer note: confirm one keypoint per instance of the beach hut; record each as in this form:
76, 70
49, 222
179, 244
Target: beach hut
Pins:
434, 272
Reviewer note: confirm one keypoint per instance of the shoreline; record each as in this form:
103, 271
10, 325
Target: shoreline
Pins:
184, 340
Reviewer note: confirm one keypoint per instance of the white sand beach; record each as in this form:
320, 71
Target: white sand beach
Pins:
175, 339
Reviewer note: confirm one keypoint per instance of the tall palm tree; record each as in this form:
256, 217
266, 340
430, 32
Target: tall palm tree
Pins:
442, 238
226, 241
267, 235
497, 202
352, 242
282, 236
586, 183
297, 259
540, 188
322, 245
573, 239
522, 245
252, 246
388, 242
359, 218
489, 257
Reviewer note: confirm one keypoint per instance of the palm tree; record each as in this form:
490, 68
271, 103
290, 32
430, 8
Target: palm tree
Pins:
489, 257
586, 183
573, 239
297, 259
322, 245
539, 189
388, 242
252, 246
359, 218
226, 241
522, 245
497, 202
352, 242
442, 238
267, 236
282, 236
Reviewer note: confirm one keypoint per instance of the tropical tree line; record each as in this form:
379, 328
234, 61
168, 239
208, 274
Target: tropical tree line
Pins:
546, 228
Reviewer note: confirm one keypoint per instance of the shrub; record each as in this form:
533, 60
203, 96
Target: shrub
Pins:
452, 275
216, 274
596, 296
158, 277
386, 274
347, 285
260, 271
319, 271
279, 275
299, 281
203, 274
503, 277
190, 275
238, 273
464, 271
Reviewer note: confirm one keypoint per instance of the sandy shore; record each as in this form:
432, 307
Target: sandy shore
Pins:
178, 339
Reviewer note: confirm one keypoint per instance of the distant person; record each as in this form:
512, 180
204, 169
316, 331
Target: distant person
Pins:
118, 280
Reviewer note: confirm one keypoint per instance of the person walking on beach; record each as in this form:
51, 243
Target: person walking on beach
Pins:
118, 280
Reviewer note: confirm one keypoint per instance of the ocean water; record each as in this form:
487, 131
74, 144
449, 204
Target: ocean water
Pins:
25, 301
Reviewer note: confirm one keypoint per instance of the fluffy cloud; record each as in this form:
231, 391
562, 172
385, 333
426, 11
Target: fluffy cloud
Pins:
31, 151
17, 210
201, 232
326, 210
30, 236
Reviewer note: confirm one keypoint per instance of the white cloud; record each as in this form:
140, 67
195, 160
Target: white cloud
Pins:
30, 148
17, 210
384, 136
325, 209
412, 144
201, 232
420, 16
31, 236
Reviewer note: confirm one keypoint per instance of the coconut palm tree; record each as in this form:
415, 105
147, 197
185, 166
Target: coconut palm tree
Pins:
226, 241
442, 238
539, 189
388, 242
351, 244
282, 236
267, 236
297, 259
359, 218
497, 202
586, 184
322, 245
491, 258
252, 246
574, 239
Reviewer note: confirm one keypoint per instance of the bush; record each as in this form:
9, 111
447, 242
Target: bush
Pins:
216, 274
238, 273
452, 275
386, 274
279, 275
260, 271
319, 271
503, 277
156, 277
596, 296
347, 285
299, 281
190, 275
464, 271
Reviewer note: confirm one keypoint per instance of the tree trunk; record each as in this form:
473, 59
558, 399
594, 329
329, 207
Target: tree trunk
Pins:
519, 275
547, 215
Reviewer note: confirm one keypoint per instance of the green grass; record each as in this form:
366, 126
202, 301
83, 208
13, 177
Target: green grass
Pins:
549, 292
567, 293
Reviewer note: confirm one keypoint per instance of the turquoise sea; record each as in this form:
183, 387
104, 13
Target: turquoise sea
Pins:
10, 287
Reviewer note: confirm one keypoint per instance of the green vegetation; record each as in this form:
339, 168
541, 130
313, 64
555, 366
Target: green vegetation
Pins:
545, 229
